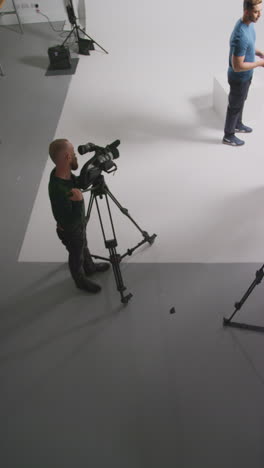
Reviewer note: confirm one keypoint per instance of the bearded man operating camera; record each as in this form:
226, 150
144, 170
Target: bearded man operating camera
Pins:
68, 209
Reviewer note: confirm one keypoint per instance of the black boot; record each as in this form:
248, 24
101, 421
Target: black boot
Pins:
83, 283
96, 268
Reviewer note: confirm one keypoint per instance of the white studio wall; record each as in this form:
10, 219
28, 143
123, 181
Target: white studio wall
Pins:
27, 11
203, 22
54, 9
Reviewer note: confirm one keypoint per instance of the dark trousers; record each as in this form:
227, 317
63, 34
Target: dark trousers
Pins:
80, 260
236, 99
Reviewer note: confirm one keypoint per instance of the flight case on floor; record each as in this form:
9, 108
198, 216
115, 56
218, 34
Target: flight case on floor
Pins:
59, 57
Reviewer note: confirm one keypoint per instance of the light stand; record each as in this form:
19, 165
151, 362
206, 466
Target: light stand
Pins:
83, 49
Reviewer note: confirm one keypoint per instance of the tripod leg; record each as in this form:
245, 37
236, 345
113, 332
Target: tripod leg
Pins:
89, 209
239, 304
1, 71
115, 261
123, 210
147, 237
111, 245
69, 35
92, 40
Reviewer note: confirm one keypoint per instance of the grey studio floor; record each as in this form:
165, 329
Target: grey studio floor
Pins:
86, 381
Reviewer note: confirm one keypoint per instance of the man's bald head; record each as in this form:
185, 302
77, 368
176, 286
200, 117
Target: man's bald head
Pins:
63, 155
58, 148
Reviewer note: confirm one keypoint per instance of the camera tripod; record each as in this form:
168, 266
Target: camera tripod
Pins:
100, 189
76, 30
238, 305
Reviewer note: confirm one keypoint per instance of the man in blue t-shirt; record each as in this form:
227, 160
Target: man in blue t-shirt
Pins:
240, 71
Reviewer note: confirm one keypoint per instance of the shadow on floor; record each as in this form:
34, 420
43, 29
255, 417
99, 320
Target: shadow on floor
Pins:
36, 61
206, 114
146, 128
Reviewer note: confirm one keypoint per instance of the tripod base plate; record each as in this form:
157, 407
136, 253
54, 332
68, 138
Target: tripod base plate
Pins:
243, 326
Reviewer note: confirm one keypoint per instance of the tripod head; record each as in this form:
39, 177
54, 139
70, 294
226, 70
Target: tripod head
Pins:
98, 186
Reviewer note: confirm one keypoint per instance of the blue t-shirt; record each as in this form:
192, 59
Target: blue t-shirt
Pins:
242, 43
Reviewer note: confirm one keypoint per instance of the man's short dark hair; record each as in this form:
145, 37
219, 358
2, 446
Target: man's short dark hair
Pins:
250, 4
56, 147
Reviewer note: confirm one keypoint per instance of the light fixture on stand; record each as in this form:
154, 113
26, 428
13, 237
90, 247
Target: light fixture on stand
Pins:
85, 45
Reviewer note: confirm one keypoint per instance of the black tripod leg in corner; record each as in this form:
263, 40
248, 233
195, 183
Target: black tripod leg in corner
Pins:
239, 304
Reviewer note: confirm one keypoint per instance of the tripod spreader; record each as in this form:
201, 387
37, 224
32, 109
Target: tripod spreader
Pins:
147, 238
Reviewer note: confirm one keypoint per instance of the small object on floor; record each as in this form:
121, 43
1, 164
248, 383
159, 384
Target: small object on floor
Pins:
233, 141
98, 268
243, 129
172, 310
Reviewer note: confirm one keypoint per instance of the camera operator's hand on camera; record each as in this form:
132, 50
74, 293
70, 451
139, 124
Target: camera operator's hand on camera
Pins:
75, 195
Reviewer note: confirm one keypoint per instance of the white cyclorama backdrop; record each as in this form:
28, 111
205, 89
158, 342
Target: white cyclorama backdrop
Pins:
153, 91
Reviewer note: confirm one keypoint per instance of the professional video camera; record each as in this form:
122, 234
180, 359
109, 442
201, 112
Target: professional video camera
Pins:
101, 161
